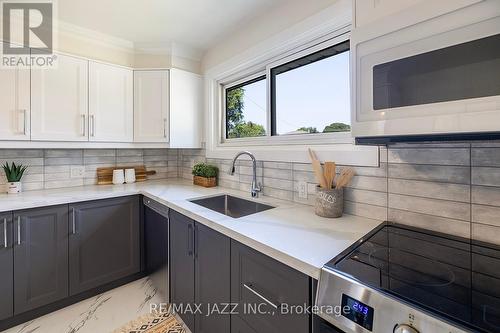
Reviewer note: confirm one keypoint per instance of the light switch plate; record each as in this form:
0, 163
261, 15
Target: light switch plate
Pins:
77, 171
303, 190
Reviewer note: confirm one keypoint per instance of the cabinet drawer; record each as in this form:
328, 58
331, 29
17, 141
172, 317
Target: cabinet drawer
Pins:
258, 280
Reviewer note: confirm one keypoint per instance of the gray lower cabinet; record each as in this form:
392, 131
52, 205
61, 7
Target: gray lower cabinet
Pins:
182, 265
266, 287
104, 242
239, 326
212, 280
40, 257
200, 273
7, 267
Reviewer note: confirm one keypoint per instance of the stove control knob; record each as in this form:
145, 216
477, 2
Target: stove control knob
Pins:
403, 328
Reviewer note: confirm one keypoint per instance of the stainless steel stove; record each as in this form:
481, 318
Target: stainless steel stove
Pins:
406, 280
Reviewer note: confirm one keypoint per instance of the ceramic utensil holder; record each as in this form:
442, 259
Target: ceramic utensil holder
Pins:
329, 202
118, 176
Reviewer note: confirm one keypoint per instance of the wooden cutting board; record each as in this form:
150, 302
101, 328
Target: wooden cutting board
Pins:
105, 175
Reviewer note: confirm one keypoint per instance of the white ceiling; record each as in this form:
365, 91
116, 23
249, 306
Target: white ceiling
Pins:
199, 24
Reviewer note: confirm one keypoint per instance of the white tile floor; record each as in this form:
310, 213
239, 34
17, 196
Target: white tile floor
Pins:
100, 314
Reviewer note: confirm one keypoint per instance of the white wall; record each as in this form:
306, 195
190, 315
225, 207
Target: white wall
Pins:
261, 28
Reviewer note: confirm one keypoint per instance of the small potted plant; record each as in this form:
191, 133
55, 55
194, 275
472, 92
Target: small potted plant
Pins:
205, 175
14, 173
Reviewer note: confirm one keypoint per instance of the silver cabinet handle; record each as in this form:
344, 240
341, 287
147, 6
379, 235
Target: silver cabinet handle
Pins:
164, 127
83, 124
92, 120
5, 233
190, 240
25, 120
73, 222
249, 287
196, 241
19, 230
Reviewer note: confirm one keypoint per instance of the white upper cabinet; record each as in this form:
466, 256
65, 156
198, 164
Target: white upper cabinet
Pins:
186, 102
14, 104
151, 106
111, 94
59, 97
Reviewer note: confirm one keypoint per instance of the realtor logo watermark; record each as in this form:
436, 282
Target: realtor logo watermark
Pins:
28, 34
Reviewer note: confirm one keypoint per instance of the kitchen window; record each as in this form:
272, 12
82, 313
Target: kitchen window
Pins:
302, 95
246, 109
310, 95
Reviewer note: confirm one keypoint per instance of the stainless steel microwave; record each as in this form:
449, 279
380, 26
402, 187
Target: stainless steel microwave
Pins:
435, 79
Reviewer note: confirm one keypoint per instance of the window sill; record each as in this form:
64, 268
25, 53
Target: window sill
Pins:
341, 153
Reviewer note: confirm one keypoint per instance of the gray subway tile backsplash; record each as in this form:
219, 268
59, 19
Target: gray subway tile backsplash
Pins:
438, 173
427, 189
448, 187
440, 224
429, 155
51, 168
487, 176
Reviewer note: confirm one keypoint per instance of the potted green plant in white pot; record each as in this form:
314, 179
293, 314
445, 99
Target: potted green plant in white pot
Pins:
14, 173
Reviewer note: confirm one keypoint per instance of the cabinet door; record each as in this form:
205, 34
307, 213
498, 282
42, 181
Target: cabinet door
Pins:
182, 264
156, 250
151, 106
40, 257
186, 104
212, 279
258, 279
111, 94
104, 242
7, 267
59, 101
14, 104
239, 326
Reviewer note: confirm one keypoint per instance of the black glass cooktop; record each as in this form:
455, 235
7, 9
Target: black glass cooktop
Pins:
452, 277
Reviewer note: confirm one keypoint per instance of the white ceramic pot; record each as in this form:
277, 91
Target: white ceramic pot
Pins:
14, 187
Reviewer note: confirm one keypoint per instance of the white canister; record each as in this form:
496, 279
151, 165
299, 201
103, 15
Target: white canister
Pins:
129, 176
118, 176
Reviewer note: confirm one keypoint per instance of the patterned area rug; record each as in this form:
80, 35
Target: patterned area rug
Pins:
153, 323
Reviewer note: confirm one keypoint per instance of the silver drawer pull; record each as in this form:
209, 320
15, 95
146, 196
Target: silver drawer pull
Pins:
92, 121
5, 233
73, 222
83, 124
25, 120
249, 287
19, 230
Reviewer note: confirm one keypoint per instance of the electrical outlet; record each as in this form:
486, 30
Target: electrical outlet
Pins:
303, 190
77, 171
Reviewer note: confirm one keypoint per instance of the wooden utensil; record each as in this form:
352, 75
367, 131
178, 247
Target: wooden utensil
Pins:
345, 177
330, 169
105, 175
318, 170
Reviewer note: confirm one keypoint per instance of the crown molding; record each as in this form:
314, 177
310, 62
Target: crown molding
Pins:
173, 49
95, 37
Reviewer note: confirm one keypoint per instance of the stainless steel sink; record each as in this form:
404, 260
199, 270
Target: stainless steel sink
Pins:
231, 206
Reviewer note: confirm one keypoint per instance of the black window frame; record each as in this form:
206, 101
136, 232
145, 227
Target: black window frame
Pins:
239, 85
313, 57
299, 62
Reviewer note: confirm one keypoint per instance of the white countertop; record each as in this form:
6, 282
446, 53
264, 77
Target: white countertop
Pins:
290, 233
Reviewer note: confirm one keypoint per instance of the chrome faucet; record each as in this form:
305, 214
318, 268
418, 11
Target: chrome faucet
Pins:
255, 187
